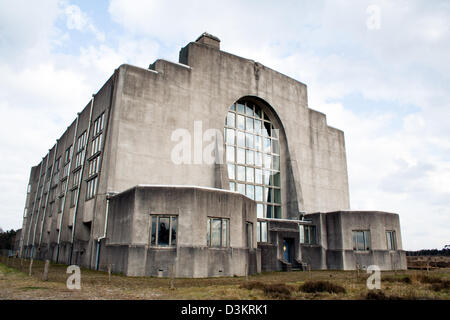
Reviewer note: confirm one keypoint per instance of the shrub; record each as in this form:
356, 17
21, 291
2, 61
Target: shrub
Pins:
321, 286
376, 295
443, 285
252, 285
428, 279
277, 291
405, 279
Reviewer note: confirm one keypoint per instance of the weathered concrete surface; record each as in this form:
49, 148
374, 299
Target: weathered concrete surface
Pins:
129, 230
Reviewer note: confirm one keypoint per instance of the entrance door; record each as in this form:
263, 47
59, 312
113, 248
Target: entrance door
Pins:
287, 250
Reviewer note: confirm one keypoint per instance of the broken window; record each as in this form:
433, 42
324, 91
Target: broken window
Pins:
164, 230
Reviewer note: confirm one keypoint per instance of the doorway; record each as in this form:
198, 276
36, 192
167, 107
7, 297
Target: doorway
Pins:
287, 249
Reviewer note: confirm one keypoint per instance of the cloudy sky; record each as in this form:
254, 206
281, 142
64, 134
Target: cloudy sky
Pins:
380, 70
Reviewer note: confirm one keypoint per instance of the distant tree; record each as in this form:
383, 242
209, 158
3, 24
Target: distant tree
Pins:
7, 239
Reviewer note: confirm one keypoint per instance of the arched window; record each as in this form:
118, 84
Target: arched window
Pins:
253, 157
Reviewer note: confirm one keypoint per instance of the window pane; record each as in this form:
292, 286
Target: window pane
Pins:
250, 157
360, 238
367, 240
153, 236
241, 188
231, 119
355, 240
249, 110
269, 211
224, 233
231, 171
260, 210
257, 125
215, 232
230, 136
258, 159
276, 179
250, 191
249, 140
249, 124
277, 212
163, 231
241, 139
264, 231
267, 161
241, 156
313, 234
173, 241
302, 234
276, 163
277, 196
208, 232
267, 176
240, 122
230, 154
250, 174
232, 186
258, 193
240, 108
258, 231
258, 143
241, 173
258, 176
275, 147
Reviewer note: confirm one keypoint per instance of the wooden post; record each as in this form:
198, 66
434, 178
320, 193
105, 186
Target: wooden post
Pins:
309, 271
246, 272
172, 274
30, 271
46, 267
109, 272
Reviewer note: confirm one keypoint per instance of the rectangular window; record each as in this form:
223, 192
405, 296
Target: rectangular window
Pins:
249, 235
68, 155
91, 189
308, 234
391, 240
218, 232
93, 166
261, 231
73, 197
61, 204
163, 231
76, 178
361, 240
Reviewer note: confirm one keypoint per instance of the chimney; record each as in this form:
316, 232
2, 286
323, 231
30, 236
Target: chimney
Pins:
209, 40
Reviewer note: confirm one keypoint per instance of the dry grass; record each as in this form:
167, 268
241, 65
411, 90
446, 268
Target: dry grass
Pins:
16, 284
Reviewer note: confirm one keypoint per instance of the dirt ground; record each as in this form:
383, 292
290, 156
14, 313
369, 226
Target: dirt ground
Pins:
15, 283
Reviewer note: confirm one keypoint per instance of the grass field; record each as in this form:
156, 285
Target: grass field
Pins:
15, 283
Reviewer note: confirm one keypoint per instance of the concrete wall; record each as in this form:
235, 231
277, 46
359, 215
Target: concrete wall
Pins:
129, 230
336, 247
153, 103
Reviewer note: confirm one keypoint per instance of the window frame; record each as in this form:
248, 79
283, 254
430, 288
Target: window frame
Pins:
308, 235
366, 239
393, 238
209, 233
259, 232
155, 243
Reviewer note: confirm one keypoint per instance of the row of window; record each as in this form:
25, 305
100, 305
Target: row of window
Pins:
361, 240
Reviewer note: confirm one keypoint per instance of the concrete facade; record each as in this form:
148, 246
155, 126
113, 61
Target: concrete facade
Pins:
88, 204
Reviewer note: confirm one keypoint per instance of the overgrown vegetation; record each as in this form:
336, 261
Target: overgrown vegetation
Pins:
321, 286
7, 239
327, 284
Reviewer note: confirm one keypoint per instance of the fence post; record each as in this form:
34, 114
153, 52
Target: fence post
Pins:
46, 267
109, 272
30, 271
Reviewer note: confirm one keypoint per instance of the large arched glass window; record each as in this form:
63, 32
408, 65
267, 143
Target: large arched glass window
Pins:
253, 157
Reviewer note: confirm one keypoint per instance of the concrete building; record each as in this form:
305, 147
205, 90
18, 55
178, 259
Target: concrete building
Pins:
211, 166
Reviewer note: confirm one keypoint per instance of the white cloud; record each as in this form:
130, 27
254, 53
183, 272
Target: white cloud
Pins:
78, 20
